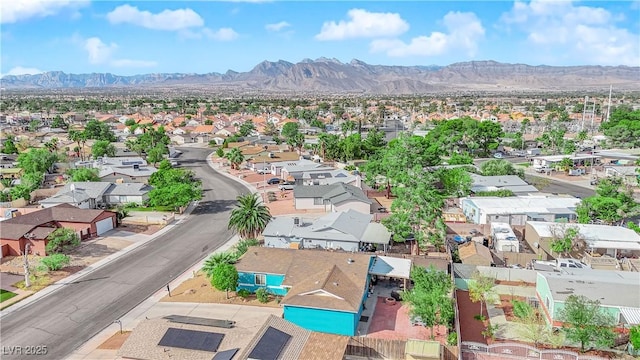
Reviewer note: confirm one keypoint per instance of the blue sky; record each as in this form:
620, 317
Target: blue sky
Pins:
80, 36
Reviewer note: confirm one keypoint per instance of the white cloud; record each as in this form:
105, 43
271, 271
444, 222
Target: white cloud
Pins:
12, 11
363, 24
277, 26
222, 34
171, 20
19, 70
464, 30
98, 51
101, 53
584, 34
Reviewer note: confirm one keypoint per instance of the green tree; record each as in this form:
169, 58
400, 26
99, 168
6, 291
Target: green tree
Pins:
290, 129
83, 174
488, 135
235, 157
225, 278
481, 288
97, 130
55, 262
611, 204
634, 337
59, 123
566, 164
250, 216
217, 259
246, 128
9, 147
429, 298
101, 148
584, 321
62, 240
220, 152
499, 167
37, 161
460, 159
155, 154
175, 195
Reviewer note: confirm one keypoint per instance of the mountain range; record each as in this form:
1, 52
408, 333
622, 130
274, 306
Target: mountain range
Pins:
332, 76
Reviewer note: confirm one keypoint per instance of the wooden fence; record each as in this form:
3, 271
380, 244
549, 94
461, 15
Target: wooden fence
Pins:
376, 348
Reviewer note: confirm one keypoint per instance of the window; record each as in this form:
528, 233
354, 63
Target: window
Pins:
122, 199
261, 279
317, 201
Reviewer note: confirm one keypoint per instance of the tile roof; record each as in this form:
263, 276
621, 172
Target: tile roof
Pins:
318, 279
16, 227
321, 346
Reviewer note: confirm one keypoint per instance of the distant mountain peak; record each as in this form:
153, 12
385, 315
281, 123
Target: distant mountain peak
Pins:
356, 77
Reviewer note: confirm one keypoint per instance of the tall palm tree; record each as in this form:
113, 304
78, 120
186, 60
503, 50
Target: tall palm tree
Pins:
250, 216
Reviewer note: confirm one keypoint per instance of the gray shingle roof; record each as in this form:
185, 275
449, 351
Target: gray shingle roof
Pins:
128, 189
336, 193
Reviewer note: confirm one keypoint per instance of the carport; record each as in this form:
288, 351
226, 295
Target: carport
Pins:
392, 267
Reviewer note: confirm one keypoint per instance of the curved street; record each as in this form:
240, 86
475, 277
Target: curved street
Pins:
65, 319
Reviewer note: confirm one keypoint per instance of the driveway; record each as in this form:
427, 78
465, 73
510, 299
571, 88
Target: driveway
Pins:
7, 280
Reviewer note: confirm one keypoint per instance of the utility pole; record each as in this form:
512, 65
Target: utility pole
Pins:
593, 115
584, 111
609, 105
27, 281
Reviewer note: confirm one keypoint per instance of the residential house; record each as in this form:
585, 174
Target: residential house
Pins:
34, 228
93, 195
601, 240
84, 195
322, 291
517, 210
324, 177
475, 253
553, 161
11, 173
617, 292
629, 174
300, 165
348, 230
502, 182
132, 174
331, 198
178, 139
8, 161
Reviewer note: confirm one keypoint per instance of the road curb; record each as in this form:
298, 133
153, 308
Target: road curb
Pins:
95, 266
214, 168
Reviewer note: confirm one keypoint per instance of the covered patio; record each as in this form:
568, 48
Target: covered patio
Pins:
393, 269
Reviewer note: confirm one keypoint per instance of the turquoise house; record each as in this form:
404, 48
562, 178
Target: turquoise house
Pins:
322, 291
617, 292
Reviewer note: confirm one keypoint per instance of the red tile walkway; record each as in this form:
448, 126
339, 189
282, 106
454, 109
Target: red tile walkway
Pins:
470, 328
392, 322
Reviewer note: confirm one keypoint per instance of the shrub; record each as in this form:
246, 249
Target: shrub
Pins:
452, 339
56, 261
521, 309
479, 317
62, 240
244, 245
219, 152
263, 295
243, 293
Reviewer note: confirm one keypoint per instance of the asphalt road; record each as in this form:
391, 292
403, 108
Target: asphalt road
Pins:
557, 187
65, 319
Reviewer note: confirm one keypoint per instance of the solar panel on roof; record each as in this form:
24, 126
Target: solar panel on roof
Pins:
226, 355
270, 345
191, 339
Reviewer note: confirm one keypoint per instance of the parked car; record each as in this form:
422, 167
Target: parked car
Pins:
286, 186
498, 155
262, 171
274, 181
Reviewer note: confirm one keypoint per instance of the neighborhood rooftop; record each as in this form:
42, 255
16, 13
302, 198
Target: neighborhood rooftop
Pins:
596, 236
528, 204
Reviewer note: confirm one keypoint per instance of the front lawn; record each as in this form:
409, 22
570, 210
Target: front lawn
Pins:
6, 295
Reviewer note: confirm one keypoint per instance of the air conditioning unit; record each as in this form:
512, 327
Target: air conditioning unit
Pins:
296, 221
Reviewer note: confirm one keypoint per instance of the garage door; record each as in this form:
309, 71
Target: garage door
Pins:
103, 226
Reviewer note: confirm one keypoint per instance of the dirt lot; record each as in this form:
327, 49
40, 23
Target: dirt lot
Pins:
199, 290
115, 342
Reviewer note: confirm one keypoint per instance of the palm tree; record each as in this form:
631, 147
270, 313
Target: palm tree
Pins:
250, 216
235, 157
217, 259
